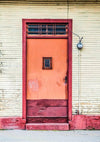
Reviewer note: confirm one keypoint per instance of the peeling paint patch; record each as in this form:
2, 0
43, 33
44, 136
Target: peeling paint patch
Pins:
33, 85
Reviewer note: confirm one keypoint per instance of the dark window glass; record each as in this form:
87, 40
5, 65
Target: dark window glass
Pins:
43, 26
60, 26
59, 33
33, 26
44, 30
50, 33
33, 29
61, 30
50, 30
43, 33
47, 63
47, 29
35, 33
50, 26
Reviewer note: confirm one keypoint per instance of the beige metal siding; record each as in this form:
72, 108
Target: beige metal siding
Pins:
86, 67
86, 63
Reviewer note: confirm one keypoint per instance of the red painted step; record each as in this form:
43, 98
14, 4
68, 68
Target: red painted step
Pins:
47, 126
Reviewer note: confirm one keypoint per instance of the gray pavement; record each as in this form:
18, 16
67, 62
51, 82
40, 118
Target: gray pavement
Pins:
49, 136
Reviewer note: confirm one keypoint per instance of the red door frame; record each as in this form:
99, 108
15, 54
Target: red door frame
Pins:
24, 65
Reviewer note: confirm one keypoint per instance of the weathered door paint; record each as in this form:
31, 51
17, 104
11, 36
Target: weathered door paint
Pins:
46, 88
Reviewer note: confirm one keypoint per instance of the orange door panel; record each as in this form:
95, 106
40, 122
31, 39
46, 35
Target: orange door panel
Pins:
46, 83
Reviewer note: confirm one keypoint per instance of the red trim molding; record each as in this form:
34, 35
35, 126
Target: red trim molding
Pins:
24, 70
79, 122
12, 123
70, 71
69, 21
46, 20
45, 37
83, 122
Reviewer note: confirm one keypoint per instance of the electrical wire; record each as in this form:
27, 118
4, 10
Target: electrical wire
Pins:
80, 38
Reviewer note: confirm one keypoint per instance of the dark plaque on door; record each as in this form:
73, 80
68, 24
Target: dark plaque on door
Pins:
47, 63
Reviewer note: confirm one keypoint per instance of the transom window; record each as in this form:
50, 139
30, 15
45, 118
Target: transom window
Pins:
47, 29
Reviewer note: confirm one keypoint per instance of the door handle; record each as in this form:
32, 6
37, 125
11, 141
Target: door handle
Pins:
65, 79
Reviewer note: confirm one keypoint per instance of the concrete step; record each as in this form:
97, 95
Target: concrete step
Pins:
47, 126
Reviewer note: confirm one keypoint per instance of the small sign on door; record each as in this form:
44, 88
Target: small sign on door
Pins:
47, 63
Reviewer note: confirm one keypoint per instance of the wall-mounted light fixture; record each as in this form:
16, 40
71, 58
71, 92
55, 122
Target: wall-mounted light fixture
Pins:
80, 45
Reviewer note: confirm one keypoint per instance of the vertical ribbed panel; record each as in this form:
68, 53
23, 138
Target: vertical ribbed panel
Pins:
11, 48
86, 63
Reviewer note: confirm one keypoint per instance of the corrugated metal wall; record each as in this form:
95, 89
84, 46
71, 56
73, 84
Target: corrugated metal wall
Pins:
86, 63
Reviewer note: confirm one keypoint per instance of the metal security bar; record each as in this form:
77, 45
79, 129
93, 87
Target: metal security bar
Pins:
47, 29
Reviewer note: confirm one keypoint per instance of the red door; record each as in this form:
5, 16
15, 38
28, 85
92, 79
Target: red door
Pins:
46, 80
